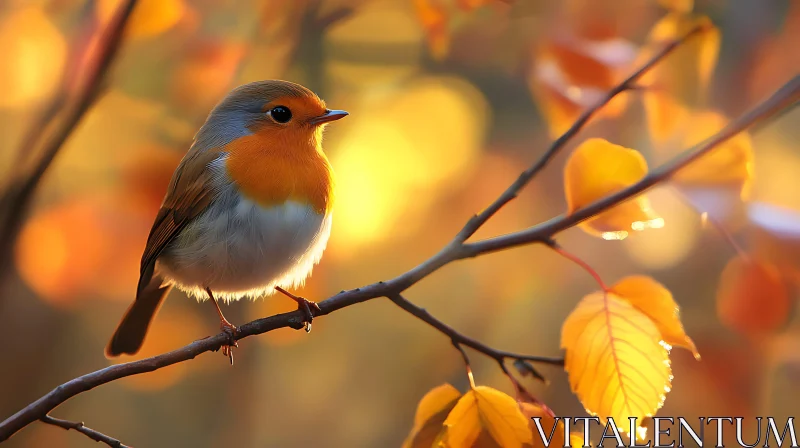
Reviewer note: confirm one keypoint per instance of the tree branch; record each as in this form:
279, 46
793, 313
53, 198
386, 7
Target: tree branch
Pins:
81, 428
455, 250
785, 97
460, 339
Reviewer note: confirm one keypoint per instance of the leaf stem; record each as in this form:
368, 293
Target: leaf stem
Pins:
467, 365
577, 260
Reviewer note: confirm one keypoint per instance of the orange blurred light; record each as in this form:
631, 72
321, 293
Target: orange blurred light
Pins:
86, 248
59, 250
752, 297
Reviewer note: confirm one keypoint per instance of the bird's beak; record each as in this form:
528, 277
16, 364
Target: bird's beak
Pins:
329, 115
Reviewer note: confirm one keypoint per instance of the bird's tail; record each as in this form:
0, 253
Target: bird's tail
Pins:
130, 333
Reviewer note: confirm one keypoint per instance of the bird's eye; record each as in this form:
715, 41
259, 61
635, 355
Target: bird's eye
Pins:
281, 114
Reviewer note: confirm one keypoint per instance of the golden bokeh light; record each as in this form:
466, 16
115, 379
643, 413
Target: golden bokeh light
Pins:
392, 164
34, 54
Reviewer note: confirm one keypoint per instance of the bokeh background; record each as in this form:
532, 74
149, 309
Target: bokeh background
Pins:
449, 101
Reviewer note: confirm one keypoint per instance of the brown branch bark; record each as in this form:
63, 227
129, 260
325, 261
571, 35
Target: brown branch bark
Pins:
83, 429
456, 250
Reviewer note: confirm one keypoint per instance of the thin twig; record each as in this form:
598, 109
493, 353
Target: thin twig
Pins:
17, 198
460, 339
83, 429
784, 97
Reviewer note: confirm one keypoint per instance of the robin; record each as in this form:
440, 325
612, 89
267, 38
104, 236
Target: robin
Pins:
247, 212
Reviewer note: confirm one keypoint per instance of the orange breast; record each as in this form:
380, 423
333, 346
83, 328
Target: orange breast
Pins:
272, 169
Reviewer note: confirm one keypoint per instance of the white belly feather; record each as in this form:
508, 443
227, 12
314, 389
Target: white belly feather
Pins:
240, 249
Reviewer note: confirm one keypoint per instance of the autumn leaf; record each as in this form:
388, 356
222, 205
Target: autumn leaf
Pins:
752, 298
572, 74
431, 413
665, 115
580, 67
486, 414
656, 302
729, 164
717, 182
688, 68
682, 76
616, 362
597, 169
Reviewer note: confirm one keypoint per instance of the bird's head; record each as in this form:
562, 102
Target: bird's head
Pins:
281, 111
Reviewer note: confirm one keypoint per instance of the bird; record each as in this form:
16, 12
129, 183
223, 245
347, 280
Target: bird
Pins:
247, 211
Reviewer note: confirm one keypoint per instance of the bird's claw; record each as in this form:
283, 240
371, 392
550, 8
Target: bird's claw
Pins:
230, 330
308, 308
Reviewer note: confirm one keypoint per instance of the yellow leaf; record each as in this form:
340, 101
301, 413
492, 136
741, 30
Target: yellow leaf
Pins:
431, 413
616, 364
752, 297
729, 164
485, 415
576, 440
655, 301
665, 114
698, 55
597, 169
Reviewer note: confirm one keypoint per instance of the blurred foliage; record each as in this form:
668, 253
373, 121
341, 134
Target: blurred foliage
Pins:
449, 101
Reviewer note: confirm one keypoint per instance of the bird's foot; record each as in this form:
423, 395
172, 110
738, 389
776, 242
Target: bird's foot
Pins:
305, 306
308, 308
230, 330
